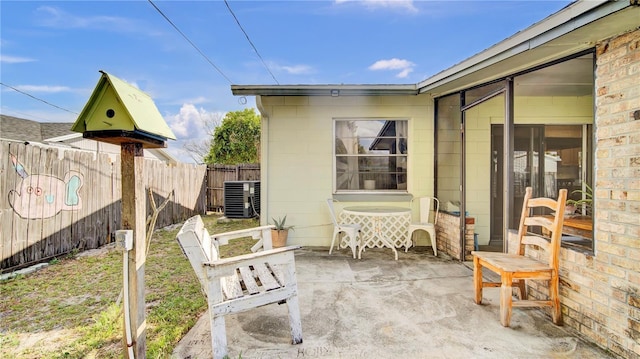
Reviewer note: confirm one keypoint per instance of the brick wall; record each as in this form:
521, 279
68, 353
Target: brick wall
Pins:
612, 281
448, 234
600, 293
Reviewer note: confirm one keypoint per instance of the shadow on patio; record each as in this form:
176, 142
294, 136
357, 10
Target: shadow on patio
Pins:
417, 307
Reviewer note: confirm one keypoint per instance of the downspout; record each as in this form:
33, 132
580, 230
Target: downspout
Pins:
463, 178
264, 162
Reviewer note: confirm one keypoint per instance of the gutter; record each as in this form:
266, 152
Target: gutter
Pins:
324, 90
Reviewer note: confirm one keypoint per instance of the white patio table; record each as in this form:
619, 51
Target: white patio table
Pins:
382, 226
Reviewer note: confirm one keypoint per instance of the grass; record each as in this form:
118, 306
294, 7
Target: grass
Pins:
68, 309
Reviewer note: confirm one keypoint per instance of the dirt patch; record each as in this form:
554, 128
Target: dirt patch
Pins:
52, 340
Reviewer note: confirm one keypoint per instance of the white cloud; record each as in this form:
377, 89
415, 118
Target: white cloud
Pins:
44, 88
374, 4
293, 70
14, 59
404, 73
56, 18
298, 69
198, 100
133, 83
192, 126
405, 66
191, 122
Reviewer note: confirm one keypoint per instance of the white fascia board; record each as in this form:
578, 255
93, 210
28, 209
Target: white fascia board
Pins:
324, 90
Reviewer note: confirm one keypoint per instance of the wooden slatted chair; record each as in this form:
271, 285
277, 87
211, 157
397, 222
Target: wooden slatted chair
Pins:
236, 284
514, 268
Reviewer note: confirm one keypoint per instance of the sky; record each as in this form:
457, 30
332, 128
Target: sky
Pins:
52, 51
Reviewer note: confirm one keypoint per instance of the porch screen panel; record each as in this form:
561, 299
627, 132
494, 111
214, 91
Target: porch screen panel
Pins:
448, 148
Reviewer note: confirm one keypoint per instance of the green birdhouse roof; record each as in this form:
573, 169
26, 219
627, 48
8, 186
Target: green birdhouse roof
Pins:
118, 112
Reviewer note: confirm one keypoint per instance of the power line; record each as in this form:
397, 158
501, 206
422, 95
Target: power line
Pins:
190, 42
36, 98
250, 42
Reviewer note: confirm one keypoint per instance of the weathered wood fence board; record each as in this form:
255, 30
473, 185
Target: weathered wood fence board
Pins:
218, 174
56, 200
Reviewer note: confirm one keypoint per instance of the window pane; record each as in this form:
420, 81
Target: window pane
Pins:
371, 154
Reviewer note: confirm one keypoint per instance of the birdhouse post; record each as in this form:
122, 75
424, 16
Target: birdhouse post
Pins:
121, 114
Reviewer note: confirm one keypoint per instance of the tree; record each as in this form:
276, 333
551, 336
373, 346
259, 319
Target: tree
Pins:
198, 149
237, 139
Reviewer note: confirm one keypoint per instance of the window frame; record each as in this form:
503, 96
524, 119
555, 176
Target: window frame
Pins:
398, 136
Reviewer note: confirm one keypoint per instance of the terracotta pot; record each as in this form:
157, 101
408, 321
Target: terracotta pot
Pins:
569, 210
279, 237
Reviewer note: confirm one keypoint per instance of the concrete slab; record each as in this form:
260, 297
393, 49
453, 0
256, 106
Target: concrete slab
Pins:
417, 307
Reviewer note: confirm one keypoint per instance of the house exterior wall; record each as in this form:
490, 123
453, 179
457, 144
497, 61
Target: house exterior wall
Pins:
613, 307
600, 289
600, 293
298, 142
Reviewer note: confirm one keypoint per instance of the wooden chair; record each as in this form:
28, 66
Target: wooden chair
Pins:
236, 284
514, 268
350, 230
424, 224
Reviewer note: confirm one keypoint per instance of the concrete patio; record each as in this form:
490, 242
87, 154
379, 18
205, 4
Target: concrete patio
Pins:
417, 307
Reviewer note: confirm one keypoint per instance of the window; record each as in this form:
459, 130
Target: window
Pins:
370, 155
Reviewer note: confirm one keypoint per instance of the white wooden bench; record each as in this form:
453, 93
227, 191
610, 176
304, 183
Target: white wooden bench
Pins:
236, 284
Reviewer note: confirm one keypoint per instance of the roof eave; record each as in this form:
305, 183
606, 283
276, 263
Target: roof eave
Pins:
554, 26
323, 90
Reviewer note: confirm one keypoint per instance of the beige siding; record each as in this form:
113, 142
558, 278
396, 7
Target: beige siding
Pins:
298, 146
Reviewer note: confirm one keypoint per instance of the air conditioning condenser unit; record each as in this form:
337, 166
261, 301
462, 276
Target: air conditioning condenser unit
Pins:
241, 199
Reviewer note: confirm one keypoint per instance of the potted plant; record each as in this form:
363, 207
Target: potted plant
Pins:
584, 204
280, 233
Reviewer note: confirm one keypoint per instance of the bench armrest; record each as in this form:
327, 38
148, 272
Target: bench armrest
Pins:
254, 233
246, 259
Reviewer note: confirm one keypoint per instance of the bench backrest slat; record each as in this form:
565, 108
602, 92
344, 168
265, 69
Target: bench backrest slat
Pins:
197, 246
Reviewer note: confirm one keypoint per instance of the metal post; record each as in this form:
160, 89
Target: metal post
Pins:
507, 173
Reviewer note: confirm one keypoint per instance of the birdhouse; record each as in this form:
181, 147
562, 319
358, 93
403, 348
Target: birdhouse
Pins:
119, 113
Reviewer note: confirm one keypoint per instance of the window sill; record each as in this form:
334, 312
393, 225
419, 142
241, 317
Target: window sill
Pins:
372, 197
578, 244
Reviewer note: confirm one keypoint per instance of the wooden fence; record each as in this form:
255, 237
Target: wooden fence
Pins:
218, 174
55, 201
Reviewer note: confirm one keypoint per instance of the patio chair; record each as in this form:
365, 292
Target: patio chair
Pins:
424, 224
351, 231
514, 267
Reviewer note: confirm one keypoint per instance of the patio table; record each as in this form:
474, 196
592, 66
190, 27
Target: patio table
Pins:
382, 226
